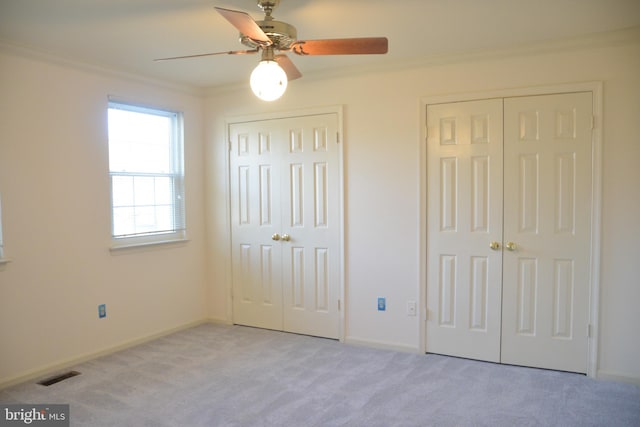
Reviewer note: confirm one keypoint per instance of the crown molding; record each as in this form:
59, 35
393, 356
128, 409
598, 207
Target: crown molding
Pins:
623, 37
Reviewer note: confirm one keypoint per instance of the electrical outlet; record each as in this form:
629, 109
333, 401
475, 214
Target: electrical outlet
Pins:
411, 308
382, 303
102, 311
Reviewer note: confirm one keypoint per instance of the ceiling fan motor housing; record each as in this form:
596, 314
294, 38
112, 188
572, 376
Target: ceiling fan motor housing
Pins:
282, 35
268, 4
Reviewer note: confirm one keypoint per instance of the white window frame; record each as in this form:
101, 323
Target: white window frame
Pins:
178, 232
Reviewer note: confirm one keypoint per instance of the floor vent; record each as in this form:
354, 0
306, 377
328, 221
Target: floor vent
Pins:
58, 378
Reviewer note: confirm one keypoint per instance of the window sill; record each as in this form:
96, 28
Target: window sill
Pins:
4, 261
142, 245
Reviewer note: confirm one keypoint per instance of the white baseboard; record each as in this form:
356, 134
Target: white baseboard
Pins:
381, 345
219, 321
618, 377
66, 364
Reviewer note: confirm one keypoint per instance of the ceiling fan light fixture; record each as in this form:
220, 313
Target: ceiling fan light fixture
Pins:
268, 80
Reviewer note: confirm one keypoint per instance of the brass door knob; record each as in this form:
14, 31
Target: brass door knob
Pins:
286, 237
494, 245
511, 246
275, 237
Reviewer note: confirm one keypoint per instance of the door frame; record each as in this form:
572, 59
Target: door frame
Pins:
302, 112
596, 88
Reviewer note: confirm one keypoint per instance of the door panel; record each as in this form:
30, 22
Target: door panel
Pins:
255, 216
285, 181
548, 218
464, 151
310, 217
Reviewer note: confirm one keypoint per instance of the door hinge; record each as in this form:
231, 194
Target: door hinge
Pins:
593, 122
338, 305
229, 145
589, 331
338, 137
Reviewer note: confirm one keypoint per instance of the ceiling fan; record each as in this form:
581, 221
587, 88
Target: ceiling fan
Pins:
269, 36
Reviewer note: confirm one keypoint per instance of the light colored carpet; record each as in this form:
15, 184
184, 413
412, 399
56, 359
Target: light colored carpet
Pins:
218, 375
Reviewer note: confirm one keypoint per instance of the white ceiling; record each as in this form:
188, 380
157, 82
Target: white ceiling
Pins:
126, 35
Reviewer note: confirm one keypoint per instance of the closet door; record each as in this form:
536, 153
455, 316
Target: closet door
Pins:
310, 197
255, 176
464, 226
285, 215
547, 230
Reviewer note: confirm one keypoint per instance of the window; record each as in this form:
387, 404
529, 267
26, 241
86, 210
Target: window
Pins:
147, 175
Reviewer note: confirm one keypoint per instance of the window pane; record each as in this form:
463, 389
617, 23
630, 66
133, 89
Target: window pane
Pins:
164, 217
144, 190
123, 221
164, 190
139, 142
145, 219
122, 189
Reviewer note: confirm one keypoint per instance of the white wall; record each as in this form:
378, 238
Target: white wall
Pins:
381, 156
56, 212
55, 192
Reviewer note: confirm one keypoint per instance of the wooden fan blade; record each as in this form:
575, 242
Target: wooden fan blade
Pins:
355, 46
245, 24
288, 66
229, 52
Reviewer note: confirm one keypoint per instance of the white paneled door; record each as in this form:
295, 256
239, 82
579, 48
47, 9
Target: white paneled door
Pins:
285, 233
464, 216
547, 230
509, 223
